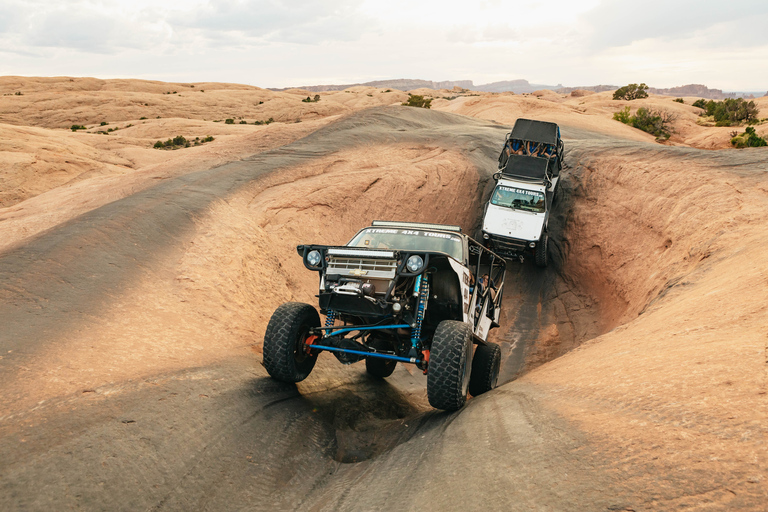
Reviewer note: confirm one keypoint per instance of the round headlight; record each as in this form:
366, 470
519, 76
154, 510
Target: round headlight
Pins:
313, 258
414, 263
532, 245
486, 236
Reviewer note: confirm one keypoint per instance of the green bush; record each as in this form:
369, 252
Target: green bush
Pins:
679, 100
651, 121
229, 121
104, 123
76, 127
701, 103
178, 142
312, 100
748, 139
631, 92
243, 122
270, 120
414, 100
731, 111
623, 115
655, 122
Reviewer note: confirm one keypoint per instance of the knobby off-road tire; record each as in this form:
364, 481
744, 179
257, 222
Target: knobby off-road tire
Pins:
285, 357
450, 365
378, 367
486, 364
541, 250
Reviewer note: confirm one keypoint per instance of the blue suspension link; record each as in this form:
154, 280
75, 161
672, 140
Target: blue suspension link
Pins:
422, 289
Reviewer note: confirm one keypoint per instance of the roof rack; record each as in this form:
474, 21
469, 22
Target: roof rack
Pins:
415, 225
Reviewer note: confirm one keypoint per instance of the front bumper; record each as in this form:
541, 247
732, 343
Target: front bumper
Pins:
507, 247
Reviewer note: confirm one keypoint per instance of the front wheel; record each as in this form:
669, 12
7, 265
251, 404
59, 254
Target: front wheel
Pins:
450, 365
486, 364
541, 250
286, 357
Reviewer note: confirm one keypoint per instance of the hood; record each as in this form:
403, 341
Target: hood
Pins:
511, 223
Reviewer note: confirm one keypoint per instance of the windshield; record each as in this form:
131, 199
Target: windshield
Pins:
518, 198
409, 240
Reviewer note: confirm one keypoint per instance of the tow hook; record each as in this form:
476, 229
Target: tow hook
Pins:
522, 260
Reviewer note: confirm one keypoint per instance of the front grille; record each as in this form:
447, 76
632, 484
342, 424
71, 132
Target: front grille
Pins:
362, 268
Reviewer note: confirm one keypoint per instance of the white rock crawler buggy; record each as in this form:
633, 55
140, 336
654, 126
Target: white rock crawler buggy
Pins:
424, 294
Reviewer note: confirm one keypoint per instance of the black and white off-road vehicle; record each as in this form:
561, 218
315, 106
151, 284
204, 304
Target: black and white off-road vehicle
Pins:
424, 294
516, 218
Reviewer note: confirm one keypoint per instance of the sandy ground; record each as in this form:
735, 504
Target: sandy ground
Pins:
137, 283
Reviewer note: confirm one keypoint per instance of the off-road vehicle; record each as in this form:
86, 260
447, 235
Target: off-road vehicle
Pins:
406, 292
516, 218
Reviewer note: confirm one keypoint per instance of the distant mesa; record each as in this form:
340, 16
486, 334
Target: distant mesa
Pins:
402, 84
521, 86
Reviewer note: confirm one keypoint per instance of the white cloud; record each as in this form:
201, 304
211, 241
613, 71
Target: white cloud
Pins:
274, 43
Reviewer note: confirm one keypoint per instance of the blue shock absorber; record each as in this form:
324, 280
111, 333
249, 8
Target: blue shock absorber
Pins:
422, 289
330, 318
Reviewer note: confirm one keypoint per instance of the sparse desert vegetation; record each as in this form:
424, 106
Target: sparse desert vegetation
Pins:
729, 112
417, 100
631, 92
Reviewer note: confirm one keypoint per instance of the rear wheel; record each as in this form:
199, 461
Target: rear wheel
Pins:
377, 366
450, 365
286, 357
541, 250
486, 364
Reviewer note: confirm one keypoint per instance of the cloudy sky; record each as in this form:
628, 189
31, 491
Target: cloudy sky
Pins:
275, 43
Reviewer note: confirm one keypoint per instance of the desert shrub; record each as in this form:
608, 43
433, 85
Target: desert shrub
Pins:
631, 92
208, 139
18, 93
414, 100
142, 118
229, 121
679, 100
701, 103
104, 123
656, 122
76, 127
312, 100
748, 139
243, 122
623, 115
178, 142
731, 111
270, 120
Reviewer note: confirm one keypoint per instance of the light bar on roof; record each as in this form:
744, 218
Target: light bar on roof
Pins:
414, 225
